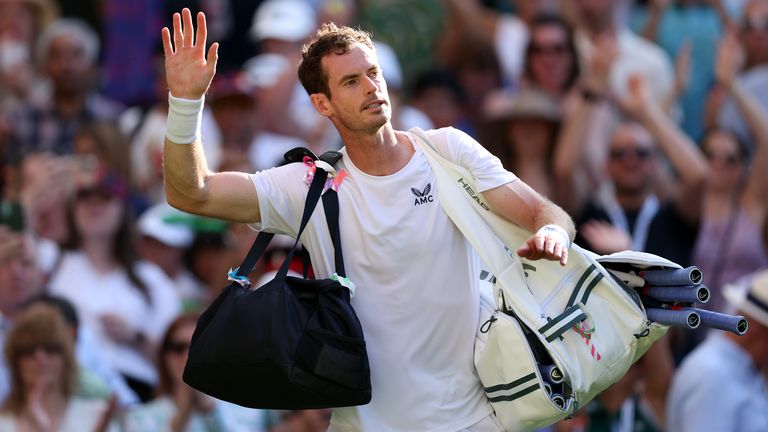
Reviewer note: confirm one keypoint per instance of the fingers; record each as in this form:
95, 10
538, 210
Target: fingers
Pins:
541, 246
178, 35
213, 56
188, 29
202, 31
166, 37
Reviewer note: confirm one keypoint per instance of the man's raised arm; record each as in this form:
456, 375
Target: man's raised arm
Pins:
190, 185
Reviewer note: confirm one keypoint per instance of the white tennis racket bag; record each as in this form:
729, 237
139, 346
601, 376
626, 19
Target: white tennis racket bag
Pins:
552, 337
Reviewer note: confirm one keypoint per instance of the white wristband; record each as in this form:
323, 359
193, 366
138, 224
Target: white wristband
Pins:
184, 119
557, 229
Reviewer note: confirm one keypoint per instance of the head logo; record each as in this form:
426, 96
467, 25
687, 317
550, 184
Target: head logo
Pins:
423, 196
465, 185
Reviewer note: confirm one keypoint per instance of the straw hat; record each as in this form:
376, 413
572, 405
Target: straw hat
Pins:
753, 300
527, 103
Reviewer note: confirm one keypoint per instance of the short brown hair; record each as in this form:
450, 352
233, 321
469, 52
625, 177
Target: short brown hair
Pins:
329, 39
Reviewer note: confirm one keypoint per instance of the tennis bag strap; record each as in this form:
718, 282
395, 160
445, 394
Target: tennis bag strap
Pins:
330, 205
572, 317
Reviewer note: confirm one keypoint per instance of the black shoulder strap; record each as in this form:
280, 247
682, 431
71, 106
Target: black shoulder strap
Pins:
263, 239
330, 205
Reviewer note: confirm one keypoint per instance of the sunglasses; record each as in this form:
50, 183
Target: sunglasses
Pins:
625, 153
728, 159
552, 49
177, 347
49, 348
755, 23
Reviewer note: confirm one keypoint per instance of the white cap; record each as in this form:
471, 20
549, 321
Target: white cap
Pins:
288, 20
166, 225
753, 299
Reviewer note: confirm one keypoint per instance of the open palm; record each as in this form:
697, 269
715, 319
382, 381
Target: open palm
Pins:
188, 70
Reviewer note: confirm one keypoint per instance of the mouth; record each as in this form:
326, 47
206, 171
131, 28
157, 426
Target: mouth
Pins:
374, 105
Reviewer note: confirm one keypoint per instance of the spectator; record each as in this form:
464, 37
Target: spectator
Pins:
507, 33
551, 63
729, 243
632, 216
753, 35
102, 142
281, 27
438, 94
21, 282
67, 53
21, 21
598, 19
721, 385
528, 122
211, 257
40, 353
179, 407
245, 134
126, 302
166, 235
688, 28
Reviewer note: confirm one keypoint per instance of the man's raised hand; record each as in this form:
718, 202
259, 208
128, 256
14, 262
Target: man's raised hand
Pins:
188, 70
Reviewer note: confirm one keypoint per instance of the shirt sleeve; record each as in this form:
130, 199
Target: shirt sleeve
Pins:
457, 146
282, 192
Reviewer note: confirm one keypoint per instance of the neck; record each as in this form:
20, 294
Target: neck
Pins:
598, 29
381, 153
631, 200
754, 344
99, 253
69, 105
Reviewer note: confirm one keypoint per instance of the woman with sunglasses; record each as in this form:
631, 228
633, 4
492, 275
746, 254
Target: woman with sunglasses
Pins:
40, 353
127, 303
731, 239
178, 407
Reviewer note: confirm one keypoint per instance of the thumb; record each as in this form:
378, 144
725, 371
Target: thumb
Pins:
213, 57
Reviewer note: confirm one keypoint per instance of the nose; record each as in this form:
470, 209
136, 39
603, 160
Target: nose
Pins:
371, 85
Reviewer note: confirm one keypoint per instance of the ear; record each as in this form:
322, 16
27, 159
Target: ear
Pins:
322, 104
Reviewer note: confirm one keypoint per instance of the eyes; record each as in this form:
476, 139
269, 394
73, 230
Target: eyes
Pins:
373, 74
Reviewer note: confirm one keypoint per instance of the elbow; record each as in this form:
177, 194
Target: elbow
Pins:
188, 200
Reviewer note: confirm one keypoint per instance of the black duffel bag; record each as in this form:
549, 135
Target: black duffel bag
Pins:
290, 344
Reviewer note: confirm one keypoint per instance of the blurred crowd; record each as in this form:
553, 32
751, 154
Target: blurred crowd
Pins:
647, 120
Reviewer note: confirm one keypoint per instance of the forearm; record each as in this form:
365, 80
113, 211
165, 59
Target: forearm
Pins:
520, 204
185, 172
651, 26
750, 108
682, 153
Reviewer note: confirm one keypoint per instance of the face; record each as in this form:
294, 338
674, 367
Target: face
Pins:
551, 62
359, 103
596, 14
67, 65
20, 278
17, 20
168, 258
725, 162
754, 31
531, 136
631, 159
41, 363
175, 354
98, 214
440, 105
